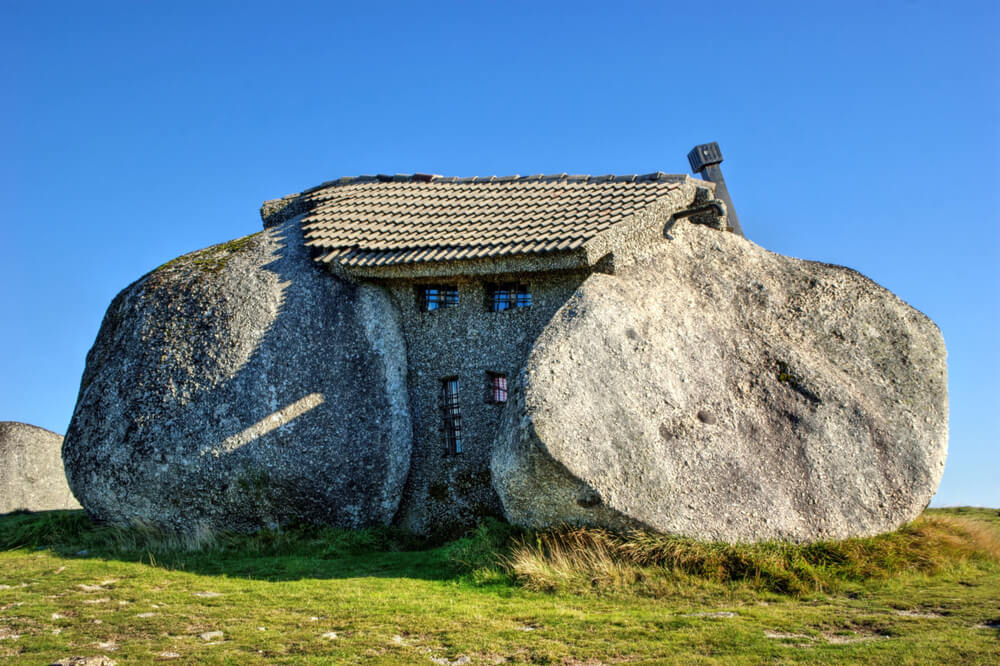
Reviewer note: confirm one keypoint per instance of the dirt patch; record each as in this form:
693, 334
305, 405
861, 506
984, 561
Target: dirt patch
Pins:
852, 637
7, 634
914, 613
785, 635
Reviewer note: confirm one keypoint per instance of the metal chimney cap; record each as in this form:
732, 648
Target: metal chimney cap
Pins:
705, 155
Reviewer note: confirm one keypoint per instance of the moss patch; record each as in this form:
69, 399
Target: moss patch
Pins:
787, 376
213, 259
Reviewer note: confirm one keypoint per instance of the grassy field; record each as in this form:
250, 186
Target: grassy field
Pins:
928, 593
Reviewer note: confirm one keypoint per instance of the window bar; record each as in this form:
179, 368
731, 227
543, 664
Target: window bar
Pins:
499, 389
452, 415
435, 297
496, 388
508, 295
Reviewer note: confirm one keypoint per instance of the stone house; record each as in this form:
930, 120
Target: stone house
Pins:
424, 351
477, 267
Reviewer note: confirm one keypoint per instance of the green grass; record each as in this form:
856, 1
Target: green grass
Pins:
929, 592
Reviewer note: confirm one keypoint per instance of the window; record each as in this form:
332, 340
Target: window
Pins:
452, 417
434, 297
500, 297
496, 388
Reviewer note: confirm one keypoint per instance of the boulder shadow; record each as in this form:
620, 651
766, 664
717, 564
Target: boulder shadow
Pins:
301, 553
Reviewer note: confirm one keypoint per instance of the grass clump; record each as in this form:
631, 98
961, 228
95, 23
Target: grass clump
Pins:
579, 559
484, 551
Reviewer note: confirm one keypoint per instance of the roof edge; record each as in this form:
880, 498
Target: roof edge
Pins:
525, 263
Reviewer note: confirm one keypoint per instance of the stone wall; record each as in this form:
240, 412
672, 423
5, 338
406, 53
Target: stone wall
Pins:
445, 493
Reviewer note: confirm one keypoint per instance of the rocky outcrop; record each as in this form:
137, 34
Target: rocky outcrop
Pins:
721, 391
239, 387
31, 470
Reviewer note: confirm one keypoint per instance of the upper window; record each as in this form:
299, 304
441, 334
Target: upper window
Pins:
500, 297
434, 297
452, 416
496, 387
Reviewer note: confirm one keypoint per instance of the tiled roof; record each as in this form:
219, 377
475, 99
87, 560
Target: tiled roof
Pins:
387, 220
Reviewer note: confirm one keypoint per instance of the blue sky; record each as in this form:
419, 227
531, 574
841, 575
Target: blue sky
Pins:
863, 134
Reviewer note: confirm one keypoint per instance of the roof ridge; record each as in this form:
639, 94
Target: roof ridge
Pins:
656, 176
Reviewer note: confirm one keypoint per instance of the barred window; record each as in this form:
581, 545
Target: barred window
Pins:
500, 297
496, 387
451, 414
434, 297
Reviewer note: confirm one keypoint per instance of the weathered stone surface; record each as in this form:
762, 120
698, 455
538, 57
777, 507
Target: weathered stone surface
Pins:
31, 469
721, 391
239, 387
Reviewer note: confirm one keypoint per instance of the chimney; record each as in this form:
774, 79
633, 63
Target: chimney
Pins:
705, 160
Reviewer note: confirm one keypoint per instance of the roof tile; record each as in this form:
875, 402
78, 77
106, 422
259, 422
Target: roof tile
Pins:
390, 219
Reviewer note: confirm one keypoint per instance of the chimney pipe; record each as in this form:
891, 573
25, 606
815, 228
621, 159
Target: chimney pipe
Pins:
705, 160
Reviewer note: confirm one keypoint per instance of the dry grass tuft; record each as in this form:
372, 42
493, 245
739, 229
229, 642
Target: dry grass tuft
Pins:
960, 536
576, 558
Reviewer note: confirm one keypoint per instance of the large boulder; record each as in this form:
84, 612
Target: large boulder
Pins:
724, 392
31, 470
239, 387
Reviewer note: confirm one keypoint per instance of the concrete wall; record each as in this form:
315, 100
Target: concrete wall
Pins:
445, 493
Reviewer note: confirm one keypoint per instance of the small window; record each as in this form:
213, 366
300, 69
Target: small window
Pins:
496, 388
434, 297
451, 414
500, 297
